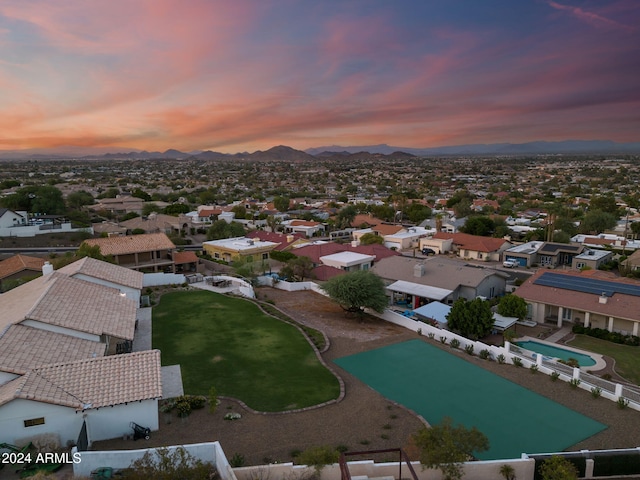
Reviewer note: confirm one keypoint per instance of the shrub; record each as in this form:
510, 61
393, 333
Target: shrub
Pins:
501, 359
419, 331
443, 340
431, 335
554, 376
485, 354
232, 416
318, 457
342, 448
455, 343
572, 362
596, 392
606, 376
165, 465
623, 403
517, 361
574, 382
533, 368
469, 349
237, 460
184, 408
213, 399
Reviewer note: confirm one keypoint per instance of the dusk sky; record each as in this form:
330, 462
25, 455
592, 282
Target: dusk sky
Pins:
235, 75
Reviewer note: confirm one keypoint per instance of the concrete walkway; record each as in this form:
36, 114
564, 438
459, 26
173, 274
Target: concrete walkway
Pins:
554, 338
171, 375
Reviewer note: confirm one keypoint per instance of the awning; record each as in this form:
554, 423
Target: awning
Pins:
502, 323
424, 291
435, 310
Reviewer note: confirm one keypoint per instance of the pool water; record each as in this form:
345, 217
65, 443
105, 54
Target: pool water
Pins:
557, 352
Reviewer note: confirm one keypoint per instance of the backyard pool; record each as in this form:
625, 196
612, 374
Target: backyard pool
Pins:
557, 352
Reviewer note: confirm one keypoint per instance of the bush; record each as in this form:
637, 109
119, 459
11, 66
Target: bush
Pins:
237, 460
455, 343
533, 368
574, 382
443, 340
622, 403
318, 457
164, 465
431, 335
485, 354
596, 392
184, 408
501, 359
469, 349
603, 334
517, 361
554, 376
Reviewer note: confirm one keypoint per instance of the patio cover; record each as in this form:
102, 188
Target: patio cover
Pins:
502, 323
424, 291
435, 310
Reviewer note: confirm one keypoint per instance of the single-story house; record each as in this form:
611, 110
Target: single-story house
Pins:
306, 227
96, 398
476, 247
552, 254
592, 298
525, 255
348, 261
591, 259
417, 281
633, 261
285, 241
228, 249
405, 239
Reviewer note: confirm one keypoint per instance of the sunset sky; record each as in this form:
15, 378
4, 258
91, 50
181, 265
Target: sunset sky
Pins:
235, 75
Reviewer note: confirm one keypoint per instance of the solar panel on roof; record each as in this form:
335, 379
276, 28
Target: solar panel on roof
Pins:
586, 285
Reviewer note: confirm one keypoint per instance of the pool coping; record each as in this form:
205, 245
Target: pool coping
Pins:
599, 359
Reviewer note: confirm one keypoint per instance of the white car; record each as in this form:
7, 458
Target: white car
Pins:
510, 263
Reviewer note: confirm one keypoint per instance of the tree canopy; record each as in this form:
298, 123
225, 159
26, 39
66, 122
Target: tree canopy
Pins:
512, 306
370, 239
221, 229
558, 468
479, 225
446, 446
346, 216
44, 199
473, 319
358, 290
597, 221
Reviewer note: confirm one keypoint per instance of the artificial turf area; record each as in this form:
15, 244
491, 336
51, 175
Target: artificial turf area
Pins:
626, 356
229, 343
436, 384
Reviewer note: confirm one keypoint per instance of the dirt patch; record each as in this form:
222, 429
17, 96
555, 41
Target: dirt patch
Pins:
364, 419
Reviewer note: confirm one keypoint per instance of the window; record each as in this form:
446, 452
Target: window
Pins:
265, 256
216, 255
33, 422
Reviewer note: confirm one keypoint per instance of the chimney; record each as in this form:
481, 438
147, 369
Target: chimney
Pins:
603, 298
289, 238
419, 270
47, 268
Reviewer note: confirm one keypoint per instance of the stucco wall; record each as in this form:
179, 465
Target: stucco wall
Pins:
63, 330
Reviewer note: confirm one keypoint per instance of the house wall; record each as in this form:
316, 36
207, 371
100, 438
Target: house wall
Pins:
491, 286
6, 377
132, 293
437, 244
63, 421
112, 422
63, 330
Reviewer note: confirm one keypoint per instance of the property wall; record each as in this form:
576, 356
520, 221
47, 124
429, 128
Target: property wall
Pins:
156, 279
206, 452
63, 421
488, 470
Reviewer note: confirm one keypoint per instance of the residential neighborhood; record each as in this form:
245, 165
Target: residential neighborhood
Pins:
70, 334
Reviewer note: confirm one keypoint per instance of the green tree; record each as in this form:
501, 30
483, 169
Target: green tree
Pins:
281, 203
446, 446
149, 208
110, 193
44, 199
358, 290
346, 216
240, 211
558, 468
221, 229
597, 221
417, 212
77, 200
604, 203
163, 464
473, 319
512, 306
176, 209
300, 267
371, 239
478, 225
139, 193
319, 457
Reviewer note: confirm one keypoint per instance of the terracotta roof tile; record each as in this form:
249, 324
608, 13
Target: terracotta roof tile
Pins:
473, 242
104, 271
132, 244
93, 383
19, 263
23, 348
180, 258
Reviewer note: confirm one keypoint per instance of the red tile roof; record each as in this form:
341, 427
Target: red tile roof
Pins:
180, 258
315, 251
284, 240
473, 242
19, 263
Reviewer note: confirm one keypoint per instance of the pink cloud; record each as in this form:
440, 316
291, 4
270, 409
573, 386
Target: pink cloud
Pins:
592, 18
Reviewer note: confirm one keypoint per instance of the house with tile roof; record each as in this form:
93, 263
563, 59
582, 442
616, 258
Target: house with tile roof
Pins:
592, 298
56, 334
285, 241
228, 249
476, 247
306, 227
19, 267
418, 281
103, 394
151, 252
158, 223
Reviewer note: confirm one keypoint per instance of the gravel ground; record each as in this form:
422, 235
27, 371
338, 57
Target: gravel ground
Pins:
363, 420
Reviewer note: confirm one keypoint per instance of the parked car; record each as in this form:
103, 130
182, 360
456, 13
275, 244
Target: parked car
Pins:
428, 251
510, 263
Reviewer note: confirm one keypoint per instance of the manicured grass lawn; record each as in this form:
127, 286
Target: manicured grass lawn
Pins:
627, 357
230, 344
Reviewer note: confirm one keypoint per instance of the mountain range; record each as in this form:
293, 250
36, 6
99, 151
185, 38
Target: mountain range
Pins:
284, 153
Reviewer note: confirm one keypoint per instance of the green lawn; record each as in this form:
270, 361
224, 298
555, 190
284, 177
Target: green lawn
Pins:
230, 344
627, 357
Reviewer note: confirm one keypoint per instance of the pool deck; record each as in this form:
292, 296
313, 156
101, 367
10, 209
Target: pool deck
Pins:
599, 359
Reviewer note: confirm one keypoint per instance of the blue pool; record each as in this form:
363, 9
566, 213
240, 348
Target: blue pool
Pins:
557, 352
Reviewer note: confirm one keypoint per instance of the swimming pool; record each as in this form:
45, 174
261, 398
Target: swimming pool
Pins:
557, 352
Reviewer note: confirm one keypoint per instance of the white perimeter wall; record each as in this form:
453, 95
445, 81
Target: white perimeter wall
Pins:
207, 452
488, 470
157, 279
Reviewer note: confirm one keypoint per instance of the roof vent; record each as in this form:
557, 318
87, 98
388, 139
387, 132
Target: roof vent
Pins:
603, 298
47, 268
419, 270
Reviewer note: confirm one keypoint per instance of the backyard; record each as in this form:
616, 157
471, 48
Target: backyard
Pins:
230, 344
626, 356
